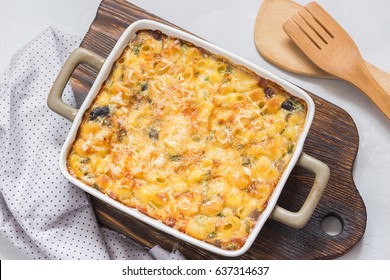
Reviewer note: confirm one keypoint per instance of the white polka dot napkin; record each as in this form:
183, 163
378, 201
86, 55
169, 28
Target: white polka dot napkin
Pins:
41, 213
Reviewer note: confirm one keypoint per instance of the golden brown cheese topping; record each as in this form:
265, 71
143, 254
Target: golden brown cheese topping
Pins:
188, 138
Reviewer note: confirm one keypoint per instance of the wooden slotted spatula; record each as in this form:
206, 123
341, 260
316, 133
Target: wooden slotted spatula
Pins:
329, 46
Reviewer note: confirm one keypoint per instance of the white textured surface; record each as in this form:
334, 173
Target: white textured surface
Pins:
229, 24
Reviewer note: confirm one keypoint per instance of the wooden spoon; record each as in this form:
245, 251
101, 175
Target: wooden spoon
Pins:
330, 47
275, 46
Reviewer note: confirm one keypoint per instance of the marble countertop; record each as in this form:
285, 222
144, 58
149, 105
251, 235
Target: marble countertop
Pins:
229, 24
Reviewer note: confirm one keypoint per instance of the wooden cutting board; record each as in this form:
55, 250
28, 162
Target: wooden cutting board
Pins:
333, 138
275, 46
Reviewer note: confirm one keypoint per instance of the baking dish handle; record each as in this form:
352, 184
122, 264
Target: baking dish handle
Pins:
78, 56
300, 218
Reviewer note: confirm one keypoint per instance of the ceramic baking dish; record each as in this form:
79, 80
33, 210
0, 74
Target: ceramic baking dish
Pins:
83, 56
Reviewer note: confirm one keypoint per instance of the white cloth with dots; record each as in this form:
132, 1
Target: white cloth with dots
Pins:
41, 213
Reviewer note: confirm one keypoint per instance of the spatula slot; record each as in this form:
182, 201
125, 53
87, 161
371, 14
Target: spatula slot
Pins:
320, 16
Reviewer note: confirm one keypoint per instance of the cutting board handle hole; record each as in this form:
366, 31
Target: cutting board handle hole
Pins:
332, 224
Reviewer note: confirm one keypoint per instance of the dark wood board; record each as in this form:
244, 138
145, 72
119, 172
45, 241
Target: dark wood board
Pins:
333, 139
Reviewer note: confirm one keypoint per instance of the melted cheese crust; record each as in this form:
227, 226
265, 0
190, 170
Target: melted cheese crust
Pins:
188, 138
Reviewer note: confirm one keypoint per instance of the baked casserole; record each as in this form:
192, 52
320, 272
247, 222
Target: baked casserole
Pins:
188, 138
